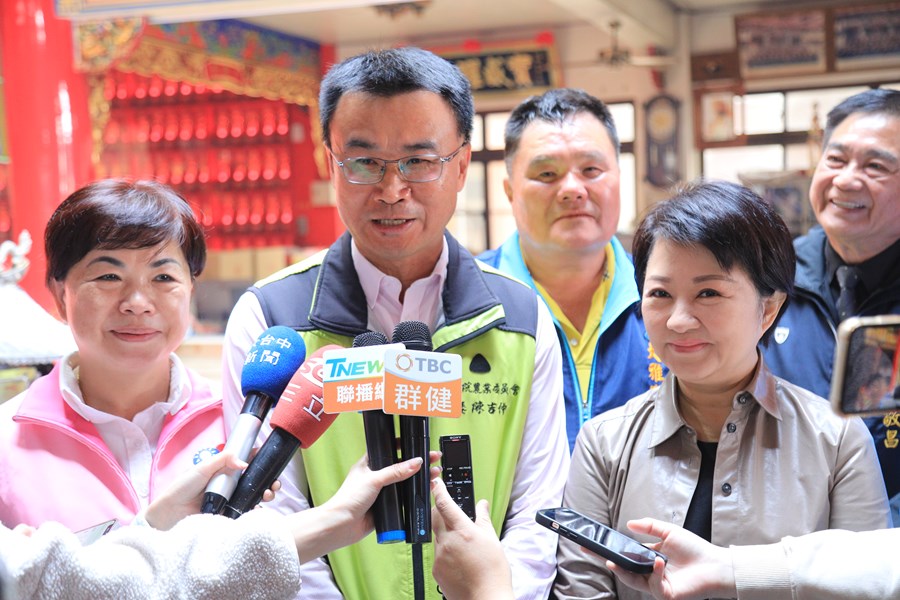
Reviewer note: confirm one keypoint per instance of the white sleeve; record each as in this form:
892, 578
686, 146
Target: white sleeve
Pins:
540, 472
202, 557
825, 565
244, 326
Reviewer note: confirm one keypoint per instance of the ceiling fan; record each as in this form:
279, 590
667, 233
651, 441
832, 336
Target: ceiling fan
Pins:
618, 56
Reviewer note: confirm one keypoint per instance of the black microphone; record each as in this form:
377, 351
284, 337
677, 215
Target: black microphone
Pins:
272, 360
414, 441
297, 421
380, 447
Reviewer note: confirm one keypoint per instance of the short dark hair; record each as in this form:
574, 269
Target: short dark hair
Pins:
877, 101
731, 221
555, 106
397, 71
116, 213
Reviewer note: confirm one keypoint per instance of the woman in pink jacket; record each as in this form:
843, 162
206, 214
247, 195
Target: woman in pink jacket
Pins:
117, 420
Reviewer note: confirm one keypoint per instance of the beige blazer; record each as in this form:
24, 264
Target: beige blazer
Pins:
785, 465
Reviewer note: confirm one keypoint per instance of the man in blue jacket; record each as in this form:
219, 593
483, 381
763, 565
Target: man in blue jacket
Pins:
855, 194
562, 161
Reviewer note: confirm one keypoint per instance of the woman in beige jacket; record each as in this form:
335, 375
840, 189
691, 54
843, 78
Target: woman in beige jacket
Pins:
722, 447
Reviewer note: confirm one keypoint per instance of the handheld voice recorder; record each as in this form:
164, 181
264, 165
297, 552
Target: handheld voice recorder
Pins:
456, 471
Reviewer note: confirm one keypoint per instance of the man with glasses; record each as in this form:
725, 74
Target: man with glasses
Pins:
413, 169
562, 162
396, 125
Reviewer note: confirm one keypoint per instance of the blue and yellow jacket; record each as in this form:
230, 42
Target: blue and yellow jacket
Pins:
624, 364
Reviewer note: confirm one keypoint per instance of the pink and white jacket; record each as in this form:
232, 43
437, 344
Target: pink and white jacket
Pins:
54, 466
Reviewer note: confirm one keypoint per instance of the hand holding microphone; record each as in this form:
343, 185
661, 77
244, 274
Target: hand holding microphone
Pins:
272, 360
346, 517
297, 421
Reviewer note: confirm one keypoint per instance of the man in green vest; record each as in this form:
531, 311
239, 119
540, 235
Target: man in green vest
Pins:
396, 125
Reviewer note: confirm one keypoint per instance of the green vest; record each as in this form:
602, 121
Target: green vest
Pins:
490, 321
495, 338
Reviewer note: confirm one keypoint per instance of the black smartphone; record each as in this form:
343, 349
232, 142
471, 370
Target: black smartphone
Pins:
600, 539
456, 471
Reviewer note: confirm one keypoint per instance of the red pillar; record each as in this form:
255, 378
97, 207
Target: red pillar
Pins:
47, 123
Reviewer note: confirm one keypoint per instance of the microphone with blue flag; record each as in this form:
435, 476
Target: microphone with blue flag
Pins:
271, 362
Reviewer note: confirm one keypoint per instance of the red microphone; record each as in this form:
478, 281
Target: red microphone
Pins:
298, 420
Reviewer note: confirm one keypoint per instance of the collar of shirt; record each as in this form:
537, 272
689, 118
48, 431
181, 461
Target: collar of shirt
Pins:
872, 273
667, 418
583, 344
179, 392
132, 443
595, 314
422, 301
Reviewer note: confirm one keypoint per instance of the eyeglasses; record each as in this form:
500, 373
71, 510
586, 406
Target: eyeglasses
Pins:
365, 170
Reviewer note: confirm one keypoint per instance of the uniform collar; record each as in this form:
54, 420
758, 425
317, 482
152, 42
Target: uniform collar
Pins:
623, 289
339, 305
761, 390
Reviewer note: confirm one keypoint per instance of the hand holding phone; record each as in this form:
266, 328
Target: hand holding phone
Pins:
600, 539
89, 535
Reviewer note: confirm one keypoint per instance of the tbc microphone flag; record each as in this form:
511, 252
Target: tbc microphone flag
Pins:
415, 442
401, 381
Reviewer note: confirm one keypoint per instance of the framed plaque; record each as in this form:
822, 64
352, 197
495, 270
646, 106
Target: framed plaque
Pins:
778, 44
